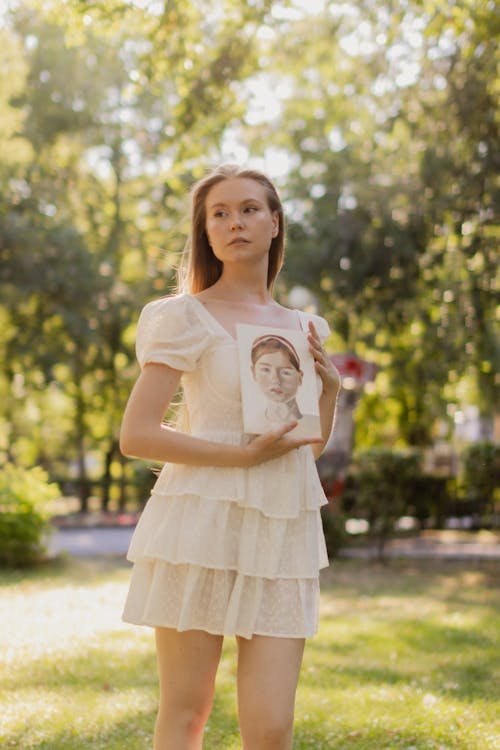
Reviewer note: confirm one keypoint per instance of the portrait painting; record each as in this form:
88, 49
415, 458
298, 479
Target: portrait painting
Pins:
279, 384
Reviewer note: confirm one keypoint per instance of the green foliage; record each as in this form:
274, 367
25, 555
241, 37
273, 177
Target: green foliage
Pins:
334, 530
91, 221
428, 499
383, 482
144, 477
393, 123
481, 475
388, 122
25, 502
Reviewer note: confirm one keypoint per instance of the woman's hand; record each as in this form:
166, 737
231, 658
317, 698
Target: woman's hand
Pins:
330, 376
331, 384
273, 444
144, 435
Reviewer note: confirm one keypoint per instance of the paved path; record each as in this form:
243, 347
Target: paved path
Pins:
91, 542
114, 541
431, 549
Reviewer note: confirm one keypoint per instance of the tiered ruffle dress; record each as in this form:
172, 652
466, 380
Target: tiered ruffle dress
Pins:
230, 551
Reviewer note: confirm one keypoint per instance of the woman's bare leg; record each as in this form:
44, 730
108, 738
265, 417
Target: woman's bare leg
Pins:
187, 665
268, 672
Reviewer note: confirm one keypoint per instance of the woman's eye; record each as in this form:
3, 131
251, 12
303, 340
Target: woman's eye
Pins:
218, 214
286, 372
263, 369
250, 209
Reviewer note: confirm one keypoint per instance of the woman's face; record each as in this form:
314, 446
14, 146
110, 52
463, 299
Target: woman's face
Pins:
276, 377
239, 223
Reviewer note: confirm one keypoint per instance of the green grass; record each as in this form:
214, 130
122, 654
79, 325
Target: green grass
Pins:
404, 660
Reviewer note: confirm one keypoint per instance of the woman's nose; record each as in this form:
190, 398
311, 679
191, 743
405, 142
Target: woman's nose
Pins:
236, 222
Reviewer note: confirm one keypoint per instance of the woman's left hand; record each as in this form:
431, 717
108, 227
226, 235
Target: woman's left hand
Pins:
325, 368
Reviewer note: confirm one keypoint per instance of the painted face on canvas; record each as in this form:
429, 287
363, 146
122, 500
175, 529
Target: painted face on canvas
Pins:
276, 376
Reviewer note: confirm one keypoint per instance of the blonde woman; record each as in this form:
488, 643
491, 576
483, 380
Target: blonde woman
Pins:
230, 542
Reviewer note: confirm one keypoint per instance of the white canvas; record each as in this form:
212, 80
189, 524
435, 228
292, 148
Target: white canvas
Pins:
282, 384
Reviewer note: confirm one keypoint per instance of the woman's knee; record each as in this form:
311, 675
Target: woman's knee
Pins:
189, 703
189, 720
269, 731
181, 724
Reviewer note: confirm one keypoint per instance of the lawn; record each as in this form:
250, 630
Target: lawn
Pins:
405, 659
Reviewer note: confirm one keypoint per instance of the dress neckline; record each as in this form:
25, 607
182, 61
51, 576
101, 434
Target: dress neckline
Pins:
221, 328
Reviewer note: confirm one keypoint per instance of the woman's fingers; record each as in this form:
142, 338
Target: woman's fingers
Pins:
276, 443
324, 366
273, 436
281, 431
316, 348
313, 334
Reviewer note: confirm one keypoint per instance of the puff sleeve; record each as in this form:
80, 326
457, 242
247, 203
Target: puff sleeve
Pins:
320, 324
170, 332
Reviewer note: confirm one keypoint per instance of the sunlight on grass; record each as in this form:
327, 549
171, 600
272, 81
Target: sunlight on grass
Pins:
404, 660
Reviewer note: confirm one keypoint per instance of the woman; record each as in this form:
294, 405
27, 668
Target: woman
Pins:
230, 542
276, 370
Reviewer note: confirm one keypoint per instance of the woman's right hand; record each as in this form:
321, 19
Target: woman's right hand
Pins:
144, 435
273, 444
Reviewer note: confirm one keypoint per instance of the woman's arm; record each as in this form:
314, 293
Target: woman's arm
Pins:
330, 379
143, 434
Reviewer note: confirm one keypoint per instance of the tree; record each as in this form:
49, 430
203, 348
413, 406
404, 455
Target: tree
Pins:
112, 155
388, 228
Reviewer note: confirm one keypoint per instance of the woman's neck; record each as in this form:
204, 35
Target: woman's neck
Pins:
240, 290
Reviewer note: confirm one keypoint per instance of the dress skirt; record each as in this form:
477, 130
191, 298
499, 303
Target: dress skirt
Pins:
231, 552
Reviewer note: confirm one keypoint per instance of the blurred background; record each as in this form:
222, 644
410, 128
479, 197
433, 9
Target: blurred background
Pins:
378, 121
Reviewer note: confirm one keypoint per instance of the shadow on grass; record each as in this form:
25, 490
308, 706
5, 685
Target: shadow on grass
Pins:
415, 633
455, 661
340, 735
453, 581
135, 732
66, 569
467, 682
461, 657
108, 661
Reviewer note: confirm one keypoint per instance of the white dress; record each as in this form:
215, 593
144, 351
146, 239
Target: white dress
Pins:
230, 551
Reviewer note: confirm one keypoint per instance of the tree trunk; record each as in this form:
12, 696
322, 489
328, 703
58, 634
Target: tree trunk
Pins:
80, 429
106, 477
122, 503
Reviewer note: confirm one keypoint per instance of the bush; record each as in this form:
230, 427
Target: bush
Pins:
25, 501
481, 475
383, 489
429, 498
334, 530
143, 478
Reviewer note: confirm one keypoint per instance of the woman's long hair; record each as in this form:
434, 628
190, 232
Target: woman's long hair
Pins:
199, 267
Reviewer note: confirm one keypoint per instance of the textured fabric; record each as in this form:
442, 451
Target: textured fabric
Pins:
231, 551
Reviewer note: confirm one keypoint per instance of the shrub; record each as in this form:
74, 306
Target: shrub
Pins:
481, 475
144, 475
334, 530
429, 498
25, 500
383, 487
